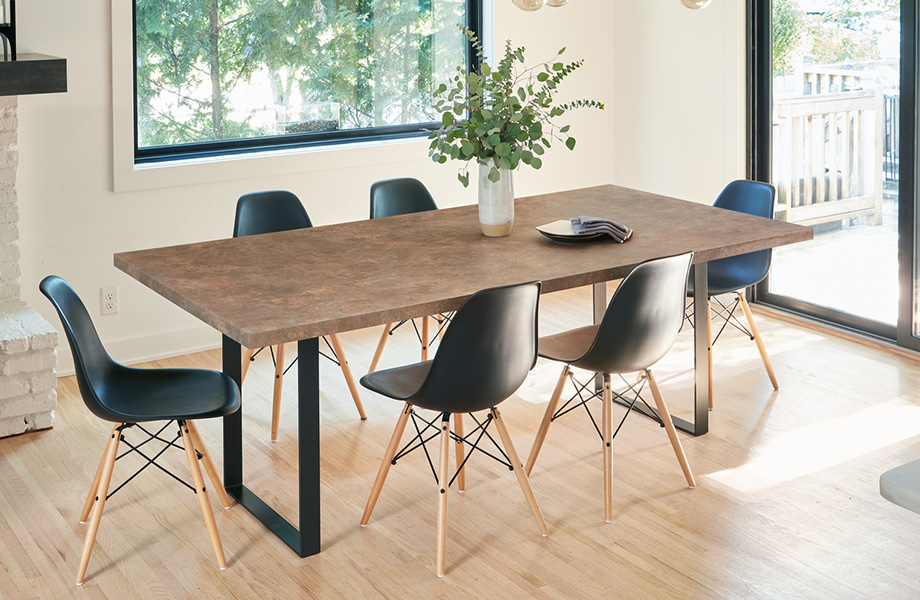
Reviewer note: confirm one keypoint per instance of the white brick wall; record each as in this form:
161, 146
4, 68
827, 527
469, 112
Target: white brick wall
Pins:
27, 342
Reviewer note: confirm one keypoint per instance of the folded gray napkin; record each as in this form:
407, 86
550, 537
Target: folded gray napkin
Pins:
588, 225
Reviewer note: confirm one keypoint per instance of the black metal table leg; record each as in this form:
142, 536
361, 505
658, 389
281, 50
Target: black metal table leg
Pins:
305, 541
599, 304
700, 424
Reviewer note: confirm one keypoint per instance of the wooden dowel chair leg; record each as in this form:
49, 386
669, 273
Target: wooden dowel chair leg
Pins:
276, 393
379, 351
709, 347
208, 465
669, 427
443, 480
202, 494
519, 471
461, 473
385, 464
111, 451
424, 339
247, 360
758, 340
91, 497
346, 372
606, 432
547, 419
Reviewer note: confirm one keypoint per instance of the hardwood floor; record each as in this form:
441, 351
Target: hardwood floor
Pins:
786, 504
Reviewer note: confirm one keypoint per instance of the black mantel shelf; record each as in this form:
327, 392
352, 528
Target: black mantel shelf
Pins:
33, 74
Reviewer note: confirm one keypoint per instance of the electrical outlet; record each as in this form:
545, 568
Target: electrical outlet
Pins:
108, 297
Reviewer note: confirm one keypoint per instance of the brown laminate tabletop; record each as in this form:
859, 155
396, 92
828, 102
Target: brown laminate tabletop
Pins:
267, 289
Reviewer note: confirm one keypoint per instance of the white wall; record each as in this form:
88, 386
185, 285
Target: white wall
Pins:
72, 221
680, 94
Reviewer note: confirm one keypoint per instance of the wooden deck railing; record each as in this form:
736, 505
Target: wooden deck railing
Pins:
827, 161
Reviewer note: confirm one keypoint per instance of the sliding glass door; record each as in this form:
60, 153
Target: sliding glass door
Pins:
832, 99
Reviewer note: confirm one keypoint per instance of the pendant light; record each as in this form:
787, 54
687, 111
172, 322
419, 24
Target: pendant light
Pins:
531, 5
695, 4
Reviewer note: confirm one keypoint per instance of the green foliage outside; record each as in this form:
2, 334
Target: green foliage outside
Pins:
847, 32
788, 28
222, 69
502, 116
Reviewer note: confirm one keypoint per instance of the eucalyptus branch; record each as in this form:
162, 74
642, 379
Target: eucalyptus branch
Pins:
502, 116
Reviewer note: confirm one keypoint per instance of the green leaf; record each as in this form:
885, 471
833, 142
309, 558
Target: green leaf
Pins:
494, 175
504, 163
542, 76
538, 149
464, 179
447, 119
536, 163
494, 139
564, 128
468, 148
503, 149
570, 143
558, 66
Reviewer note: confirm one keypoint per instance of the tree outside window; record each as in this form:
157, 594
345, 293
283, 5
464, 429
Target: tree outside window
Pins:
217, 71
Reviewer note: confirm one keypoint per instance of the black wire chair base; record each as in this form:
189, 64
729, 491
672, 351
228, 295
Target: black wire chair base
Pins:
333, 356
151, 461
442, 319
723, 311
423, 436
581, 398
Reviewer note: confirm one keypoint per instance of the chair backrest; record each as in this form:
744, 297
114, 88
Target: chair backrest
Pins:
642, 319
753, 198
399, 197
486, 352
268, 212
92, 363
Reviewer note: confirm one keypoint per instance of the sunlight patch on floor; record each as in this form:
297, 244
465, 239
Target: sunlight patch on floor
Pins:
820, 446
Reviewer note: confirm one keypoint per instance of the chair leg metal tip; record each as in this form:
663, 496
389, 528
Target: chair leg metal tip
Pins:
460, 491
608, 521
545, 534
440, 575
82, 522
363, 524
364, 418
79, 583
224, 568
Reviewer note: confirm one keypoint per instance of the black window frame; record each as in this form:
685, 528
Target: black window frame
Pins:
155, 154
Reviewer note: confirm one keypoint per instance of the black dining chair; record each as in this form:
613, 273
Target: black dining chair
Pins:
483, 359
270, 212
736, 273
639, 327
132, 398
403, 196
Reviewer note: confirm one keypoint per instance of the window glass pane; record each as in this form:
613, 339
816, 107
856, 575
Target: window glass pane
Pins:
214, 70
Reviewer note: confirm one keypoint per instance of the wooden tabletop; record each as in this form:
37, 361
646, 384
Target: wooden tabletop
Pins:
280, 287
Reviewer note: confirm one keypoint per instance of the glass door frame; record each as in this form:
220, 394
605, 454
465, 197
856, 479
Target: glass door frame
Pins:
759, 124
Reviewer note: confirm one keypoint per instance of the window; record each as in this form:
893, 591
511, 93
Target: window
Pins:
224, 76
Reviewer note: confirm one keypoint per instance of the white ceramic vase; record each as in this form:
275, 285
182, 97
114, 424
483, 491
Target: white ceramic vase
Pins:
496, 202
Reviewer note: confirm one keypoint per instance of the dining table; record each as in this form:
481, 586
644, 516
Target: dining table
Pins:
299, 285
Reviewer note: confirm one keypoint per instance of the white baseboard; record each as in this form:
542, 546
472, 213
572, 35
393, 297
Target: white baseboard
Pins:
131, 351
